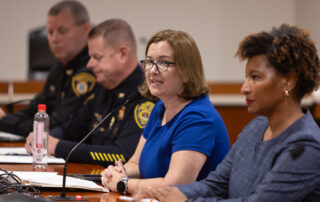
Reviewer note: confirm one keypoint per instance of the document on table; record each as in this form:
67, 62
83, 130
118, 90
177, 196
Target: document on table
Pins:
4, 136
20, 155
53, 180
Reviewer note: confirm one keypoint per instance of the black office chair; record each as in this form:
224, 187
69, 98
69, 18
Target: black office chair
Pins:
40, 57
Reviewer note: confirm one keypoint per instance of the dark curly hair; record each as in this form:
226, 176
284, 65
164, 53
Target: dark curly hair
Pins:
288, 49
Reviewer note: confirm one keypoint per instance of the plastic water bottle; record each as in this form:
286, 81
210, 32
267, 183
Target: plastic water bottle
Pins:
40, 138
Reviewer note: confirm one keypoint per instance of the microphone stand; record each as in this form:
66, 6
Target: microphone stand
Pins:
63, 197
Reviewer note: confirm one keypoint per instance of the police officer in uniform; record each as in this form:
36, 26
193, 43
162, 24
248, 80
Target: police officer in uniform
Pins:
69, 84
112, 48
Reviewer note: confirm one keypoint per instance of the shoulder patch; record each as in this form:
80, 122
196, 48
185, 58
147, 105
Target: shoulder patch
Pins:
142, 113
83, 83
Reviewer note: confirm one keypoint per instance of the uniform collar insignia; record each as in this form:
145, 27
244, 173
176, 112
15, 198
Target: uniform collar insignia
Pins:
121, 95
98, 116
111, 122
52, 88
121, 113
69, 72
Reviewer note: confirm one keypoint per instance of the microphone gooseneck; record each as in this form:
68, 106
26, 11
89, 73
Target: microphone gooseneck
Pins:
63, 192
295, 152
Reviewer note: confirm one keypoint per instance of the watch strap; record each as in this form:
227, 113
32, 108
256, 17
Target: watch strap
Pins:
122, 185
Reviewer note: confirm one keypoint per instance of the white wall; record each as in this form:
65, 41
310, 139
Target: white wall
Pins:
216, 25
308, 16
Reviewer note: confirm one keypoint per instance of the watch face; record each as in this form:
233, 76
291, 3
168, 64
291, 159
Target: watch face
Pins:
121, 186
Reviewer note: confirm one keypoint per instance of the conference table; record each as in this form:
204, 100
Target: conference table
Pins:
72, 168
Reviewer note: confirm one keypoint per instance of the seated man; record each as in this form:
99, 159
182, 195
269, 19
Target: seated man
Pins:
69, 83
112, 49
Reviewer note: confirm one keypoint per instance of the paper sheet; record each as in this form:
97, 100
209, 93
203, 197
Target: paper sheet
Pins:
7, 155
52, 179
4, 136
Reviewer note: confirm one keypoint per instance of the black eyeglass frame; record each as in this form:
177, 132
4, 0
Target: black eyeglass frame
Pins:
144, 62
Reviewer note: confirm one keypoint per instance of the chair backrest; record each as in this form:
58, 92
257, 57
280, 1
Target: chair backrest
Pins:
40, 57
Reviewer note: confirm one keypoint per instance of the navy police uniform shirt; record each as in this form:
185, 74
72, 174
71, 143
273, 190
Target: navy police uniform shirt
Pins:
118, 136
67, 88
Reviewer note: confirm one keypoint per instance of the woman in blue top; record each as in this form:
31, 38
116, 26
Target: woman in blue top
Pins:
185, 137
277, 155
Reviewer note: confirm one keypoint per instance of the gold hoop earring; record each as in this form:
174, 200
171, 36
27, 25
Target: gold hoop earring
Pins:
286, 92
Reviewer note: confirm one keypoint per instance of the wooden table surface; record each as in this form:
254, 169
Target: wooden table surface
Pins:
72, 168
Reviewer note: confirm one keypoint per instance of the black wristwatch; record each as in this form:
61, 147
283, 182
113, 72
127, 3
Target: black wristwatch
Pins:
122, 185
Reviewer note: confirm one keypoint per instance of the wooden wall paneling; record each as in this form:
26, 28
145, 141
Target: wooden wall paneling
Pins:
20, 87
235, 119
30, 86
225, 88
4, 86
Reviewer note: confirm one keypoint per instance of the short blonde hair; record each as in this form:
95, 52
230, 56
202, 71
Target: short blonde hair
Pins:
115, 32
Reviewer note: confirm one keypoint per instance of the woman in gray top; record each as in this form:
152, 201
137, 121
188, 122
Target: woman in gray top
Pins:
277, 155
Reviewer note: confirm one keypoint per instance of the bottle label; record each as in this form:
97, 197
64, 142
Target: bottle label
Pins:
39, 152
39, 130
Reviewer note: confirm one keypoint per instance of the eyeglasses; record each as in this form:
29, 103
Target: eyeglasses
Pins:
161, 65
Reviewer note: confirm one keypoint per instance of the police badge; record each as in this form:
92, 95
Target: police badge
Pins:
142, 112
82, 83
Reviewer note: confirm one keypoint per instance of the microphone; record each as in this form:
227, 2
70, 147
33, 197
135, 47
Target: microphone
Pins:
63, 197
294, 154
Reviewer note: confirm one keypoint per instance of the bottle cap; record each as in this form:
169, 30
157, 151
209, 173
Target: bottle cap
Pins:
42, 107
